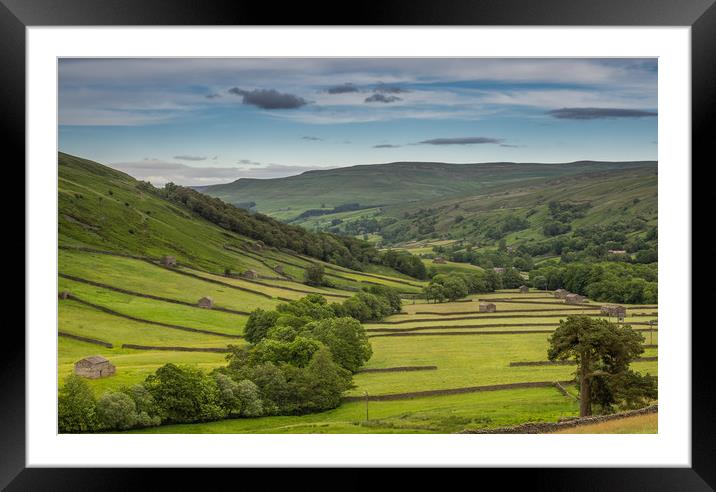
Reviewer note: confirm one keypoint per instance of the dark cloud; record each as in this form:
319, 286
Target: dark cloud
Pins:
389, 89
382, 98
342, 89
212, 96
269, 98
190, 157
509, 146
597, 113
462, 141
386, 146
312, 139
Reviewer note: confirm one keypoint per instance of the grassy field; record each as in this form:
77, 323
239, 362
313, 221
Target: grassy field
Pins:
478, 358
640, 424
443, 414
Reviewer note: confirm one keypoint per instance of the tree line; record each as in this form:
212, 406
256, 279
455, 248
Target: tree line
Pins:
345, 251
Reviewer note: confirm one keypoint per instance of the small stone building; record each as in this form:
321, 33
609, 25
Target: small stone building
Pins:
65, 294
617, 252
499, 270
206, 302
487, 307
250, 274
561, 293
439, 260
94, 367
574, 299
168, 261
524, 289
613, 310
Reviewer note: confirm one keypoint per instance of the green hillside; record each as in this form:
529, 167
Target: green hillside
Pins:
389, 184
520, 212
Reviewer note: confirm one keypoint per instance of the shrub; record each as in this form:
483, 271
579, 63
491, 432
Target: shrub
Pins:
117, 410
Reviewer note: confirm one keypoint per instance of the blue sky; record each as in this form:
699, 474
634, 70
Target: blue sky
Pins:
214, 120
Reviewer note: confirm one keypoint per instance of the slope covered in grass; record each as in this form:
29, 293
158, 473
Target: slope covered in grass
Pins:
387, 184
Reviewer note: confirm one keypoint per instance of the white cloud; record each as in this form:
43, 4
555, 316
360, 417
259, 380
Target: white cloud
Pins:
160, 172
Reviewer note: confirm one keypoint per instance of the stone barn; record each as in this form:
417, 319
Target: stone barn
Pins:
524, 289
250, 274
65, 294
94, 367
439, 260
574, 299
613, 310
168, 261
487, 307
561, 293
206, 302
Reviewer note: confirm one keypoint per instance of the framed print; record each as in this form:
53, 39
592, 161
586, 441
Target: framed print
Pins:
257, 240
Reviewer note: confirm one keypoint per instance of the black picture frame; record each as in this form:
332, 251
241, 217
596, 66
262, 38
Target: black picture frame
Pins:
17, 15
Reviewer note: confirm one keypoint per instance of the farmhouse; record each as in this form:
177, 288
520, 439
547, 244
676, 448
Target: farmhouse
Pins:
250, 274
206, 302
439, 260
487, 307
613, 310
498, 270
94, 367
561, 293
168, 261
573, 299
524, 289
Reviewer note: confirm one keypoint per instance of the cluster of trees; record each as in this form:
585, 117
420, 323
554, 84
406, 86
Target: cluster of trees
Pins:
405, 262
603, 281
561, 214
172, 394
316, 212
496, 228
303, 354
603, 352
443, 287
341, 250
300, 359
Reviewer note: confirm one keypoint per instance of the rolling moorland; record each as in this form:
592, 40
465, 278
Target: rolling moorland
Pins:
434, 367
534, 207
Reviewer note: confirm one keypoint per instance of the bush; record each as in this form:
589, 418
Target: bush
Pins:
117, 410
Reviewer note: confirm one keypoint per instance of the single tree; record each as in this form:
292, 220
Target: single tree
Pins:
314, 274
77, 407
600, 349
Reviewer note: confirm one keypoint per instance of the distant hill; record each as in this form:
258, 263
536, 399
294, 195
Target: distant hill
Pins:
392, 184
521, 212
